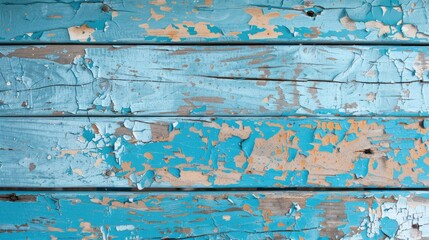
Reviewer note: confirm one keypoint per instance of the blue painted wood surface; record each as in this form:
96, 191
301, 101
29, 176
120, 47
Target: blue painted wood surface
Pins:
156, 21
223, 152
214, 80
219, 117
211, 215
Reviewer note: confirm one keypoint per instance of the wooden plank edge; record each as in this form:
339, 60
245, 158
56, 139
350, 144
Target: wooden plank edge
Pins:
214, 152
208, 215
212, 21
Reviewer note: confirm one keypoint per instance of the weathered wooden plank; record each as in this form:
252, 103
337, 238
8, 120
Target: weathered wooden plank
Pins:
214, 80
224, 152
202, 215
138, 21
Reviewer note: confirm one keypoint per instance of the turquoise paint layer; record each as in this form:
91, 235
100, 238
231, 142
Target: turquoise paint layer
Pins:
213, 152
184, 81
138, 21
205, 215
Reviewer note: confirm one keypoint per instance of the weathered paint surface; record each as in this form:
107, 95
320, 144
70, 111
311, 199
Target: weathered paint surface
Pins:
208, 21
203, 152
195, 143
229, 215
214, 80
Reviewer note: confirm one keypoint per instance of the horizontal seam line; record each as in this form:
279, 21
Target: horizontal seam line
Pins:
213, 116
221, 43
149, 190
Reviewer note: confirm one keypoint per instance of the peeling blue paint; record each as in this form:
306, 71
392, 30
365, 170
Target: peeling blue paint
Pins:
174, 80
361, 167
192, 22
259, 152
389, 226
315, 215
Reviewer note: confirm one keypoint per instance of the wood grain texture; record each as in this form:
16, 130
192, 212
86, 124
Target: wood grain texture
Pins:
202, 215
223, 152
214, 80
83, 116
137, 21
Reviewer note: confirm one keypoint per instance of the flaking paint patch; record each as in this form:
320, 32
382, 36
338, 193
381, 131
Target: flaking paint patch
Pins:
155, 15
81, 33
383, 29
296, 215
409, 30
158, 2
261, 20
99, 80
348, 23
302, 18
420, 65
182, 30
266, 152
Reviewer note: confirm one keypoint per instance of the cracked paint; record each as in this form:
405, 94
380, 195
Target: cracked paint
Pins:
185, 81
228, 117
222, 21
215, 152
211, 215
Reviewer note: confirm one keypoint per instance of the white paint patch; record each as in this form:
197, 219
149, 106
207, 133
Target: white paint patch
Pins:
118, 150
121, 228
384, 9
142, 131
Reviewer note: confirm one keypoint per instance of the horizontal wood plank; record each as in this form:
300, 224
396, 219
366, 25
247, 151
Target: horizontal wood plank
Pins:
158, 21
214, 80
223, 152
202, 215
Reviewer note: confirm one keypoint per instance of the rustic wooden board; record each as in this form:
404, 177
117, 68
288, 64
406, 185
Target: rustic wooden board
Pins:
220, 119
139, 21
202, 215
224, 152
214, 80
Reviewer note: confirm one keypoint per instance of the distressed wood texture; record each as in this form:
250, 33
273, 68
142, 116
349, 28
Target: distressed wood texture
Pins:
203, 152
229, 215
214, 80
138, 21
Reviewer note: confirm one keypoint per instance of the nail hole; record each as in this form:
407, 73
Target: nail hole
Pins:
310, 13
105, 8
368, 151
108, 173
422, 124
415, 226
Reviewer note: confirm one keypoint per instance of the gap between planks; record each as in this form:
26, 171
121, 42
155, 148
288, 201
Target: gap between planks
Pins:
224, 43
227, 189
214, 117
